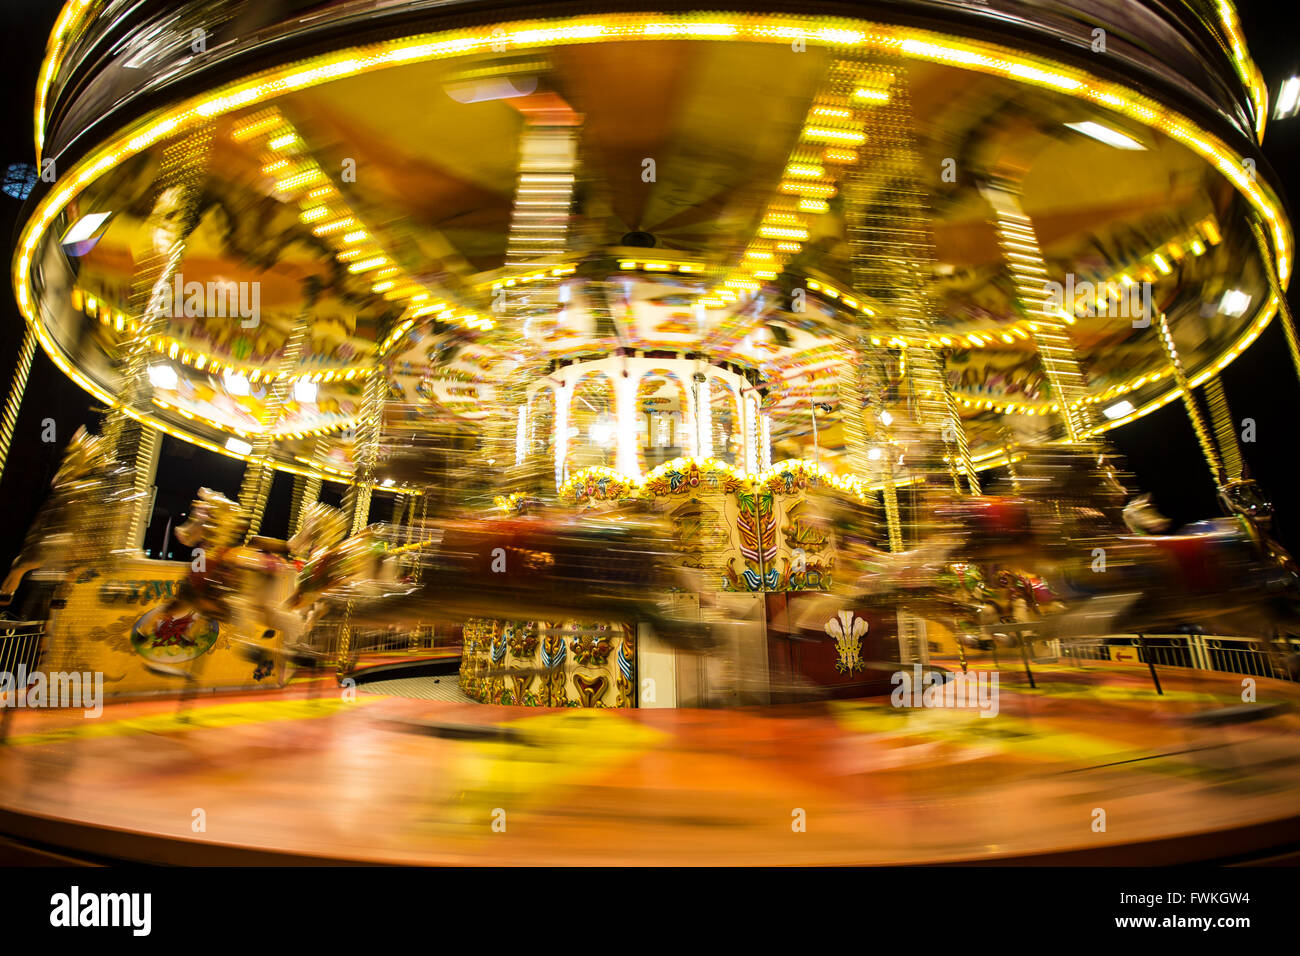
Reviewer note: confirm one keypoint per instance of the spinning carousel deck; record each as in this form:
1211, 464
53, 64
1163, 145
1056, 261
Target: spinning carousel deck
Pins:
279, 777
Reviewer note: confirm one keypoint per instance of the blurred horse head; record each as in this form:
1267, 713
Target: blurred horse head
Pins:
214, 521
323, 527
1244, 499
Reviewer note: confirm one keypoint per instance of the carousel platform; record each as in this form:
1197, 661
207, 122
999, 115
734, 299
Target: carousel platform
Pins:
301, 775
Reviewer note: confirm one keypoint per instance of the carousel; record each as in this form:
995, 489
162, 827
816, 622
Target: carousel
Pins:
655, 359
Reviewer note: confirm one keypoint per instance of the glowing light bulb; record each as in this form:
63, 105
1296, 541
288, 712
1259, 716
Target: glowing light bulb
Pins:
236, 383
162, 376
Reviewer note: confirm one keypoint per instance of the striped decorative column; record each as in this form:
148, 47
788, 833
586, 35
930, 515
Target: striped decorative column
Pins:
1203, 434
311, 485
259, 472
357, 498
14, 403
1279, 293
1225, 430
851, 417
148, 448
177, 192
255, 487
369, 425
295, 502
892, 249
1051, 337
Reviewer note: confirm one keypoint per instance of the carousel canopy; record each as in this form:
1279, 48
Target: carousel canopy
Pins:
457, 206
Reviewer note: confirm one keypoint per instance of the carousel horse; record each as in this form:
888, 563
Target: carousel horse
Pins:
1141, 516
1098, 565
928, 580
616, 567
1115, 571
331, 558
327, 561
1244, 500
1224, 568
58, 534
937, 578
230, 581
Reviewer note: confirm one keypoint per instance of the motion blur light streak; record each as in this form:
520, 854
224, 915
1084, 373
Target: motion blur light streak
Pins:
691, 460
1288, 98
163, 376
1105, 134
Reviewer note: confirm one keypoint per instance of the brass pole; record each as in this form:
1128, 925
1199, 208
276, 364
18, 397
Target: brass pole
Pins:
295, 502
366, 452
889, 493
145, 454
259, 474
889, 227
367, 446
178, 190
954, 432
1203, 435
254, 490
312, 485
1008, 450
1225, 431
1024, 259
1275, 285
14, 403
851, 412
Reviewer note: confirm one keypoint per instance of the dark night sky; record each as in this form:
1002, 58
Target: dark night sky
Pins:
1160, 449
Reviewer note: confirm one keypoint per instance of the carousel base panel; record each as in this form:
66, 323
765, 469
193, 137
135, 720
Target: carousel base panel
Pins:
303, 776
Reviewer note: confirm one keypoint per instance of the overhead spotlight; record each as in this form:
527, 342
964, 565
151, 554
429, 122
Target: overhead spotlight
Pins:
886, 418
1288, 99
1119, 410
1104, 134
1234, 303
236, 384
491, 88
874, 454
304, 391
162, 376
84, 233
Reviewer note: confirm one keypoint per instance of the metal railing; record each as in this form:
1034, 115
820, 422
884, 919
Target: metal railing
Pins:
21, 644
1231, 655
